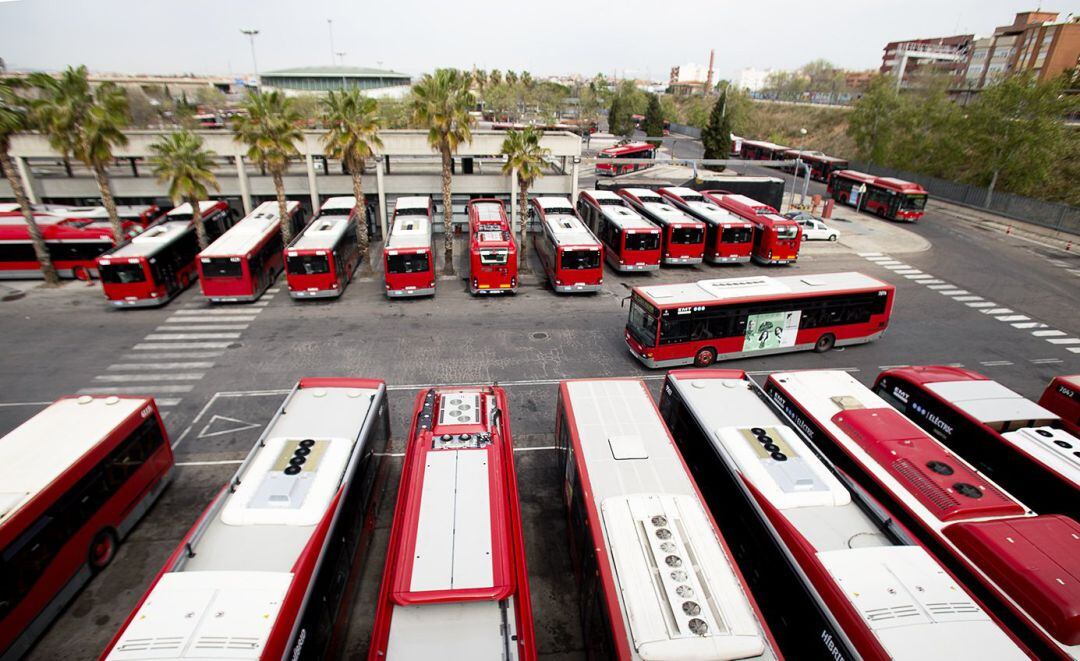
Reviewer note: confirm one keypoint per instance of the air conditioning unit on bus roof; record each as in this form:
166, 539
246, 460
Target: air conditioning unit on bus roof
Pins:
728, 287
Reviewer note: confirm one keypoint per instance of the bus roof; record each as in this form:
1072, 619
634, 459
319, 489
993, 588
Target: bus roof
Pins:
156, 237
602, 194
568, 230
41, 449
810, 155
549, 202
662, 212
488, 211
890, 183
683, 192
323, 233
626, 218
749, 203
248, 232
758, 287
185, 208
338, 206
714, 214
628, 148
764, 143
409, 232
412, 202
636, 476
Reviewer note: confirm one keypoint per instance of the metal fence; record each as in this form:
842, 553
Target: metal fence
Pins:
1052, 215
683, 129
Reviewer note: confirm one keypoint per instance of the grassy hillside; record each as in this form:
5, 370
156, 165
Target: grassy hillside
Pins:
826, 126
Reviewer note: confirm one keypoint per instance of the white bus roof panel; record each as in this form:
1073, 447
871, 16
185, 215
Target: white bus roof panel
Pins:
989, 401
248, 232
488, 211
457, 630
553, 202
601, 194
39, 450
409, 232
152, 240
322, 233
185, 208
413, 202
569, 230
669, 215
626, 218
338, 206
707, 291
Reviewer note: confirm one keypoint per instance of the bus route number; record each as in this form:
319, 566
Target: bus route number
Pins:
696, 308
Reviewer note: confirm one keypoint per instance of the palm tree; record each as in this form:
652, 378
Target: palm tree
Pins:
183, 160
525, 157
441, 101
353, 136
15, 117
270, 128
84, 123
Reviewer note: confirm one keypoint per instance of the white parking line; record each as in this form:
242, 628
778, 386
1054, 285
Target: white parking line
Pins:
1074, 271
996, 363
1013, 317
1063, 340
923, 280
940, 287
1074, 349
954, 292
163, 356
152, 346
135, 390
868, 254
167, 401
1029, 324
1046, 361
915, 277
211, 320
120, 367
890, 262
969, 298
910, 272
273, 290
1048, 333
191, 336
149, 378
997, 311
932, 281
7, 404
982, 304
215, 313
215, 327
898, 267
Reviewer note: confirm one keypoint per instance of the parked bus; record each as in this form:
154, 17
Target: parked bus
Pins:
627, 150
825, 559
699, 323
246, 259
142, 215
682, 236
270, 569
408, 259
776, 239
890, 198
1062, 397
73, 247
1011, 439
216, 216
492, 251
74, 481
631, 242
320, 261
455, 585
655, 577
1022, 566
729, 239
821, 165
572, 257
761, 150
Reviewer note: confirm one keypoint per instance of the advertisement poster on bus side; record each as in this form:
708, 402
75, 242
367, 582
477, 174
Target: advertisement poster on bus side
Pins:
771, 330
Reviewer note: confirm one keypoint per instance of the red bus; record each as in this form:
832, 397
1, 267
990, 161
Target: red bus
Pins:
682, 236
320, 261
408, 259
890, 198
492, 251
625, 150
1062, 397
631, 243
74, 481
776, 239
655, 577
729, 239
1021, 565
142, 215
455, 585
793, 519
572, 257
761, 150
270, 569
699, 323
1011, 439
73, 247
246, 259
821, 165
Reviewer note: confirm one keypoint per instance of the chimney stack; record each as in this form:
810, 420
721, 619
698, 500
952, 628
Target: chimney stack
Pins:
709, 77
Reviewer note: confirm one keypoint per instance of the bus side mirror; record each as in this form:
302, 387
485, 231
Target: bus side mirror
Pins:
622, 302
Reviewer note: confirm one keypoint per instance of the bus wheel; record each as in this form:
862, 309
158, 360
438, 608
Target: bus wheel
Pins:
102, 549
705, 357
825, 342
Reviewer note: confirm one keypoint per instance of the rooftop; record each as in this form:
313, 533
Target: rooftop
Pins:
336, 72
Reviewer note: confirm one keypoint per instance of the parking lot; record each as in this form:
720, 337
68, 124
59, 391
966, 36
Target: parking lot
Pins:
997, 304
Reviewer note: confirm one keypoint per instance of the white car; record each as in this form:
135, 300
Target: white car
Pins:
813, 228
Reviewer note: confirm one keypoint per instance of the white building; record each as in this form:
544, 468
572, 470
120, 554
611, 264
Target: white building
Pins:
753, 80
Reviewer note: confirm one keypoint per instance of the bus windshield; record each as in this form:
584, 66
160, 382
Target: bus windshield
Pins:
913, 202
642, 322
736, 235
642, 241
122, 274
580, 259
687, 235
493, 256
308, 264
222, 267
412, 262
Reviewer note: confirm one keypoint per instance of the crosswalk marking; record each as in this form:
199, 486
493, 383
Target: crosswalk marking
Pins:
910, 272
940, 287
150, 378
157, 346
998, 311
215, 313
954, 292
966, 299
981, 304
168, 401
1074, 349
1013, 317
208, 327
1029, 324
121, 367
192, 336
1047, 333
1046, 361
1063, 340
149, 389
188, 319
169, 355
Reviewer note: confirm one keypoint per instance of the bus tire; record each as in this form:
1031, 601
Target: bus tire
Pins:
825, 342
102, 549
704, 357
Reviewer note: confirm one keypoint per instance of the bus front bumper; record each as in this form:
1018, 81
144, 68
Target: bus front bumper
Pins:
582, 288
140, 302
303, 294
682, 260
733, 259
648, 361
407, 293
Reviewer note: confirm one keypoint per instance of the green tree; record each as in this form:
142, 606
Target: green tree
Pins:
716, 136
654, 119
182, 160
352, 136
615, 116
14, 118
84, 123
441, 102
525, 159
270, 128
873, 119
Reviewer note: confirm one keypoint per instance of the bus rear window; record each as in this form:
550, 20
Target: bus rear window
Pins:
122, 274
785, 232
493, 256
580, 259
736, 235
308, 264
222, 267
413, 262
687, 235
642, 241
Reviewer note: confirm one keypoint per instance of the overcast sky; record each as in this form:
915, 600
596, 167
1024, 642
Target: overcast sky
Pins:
636, 38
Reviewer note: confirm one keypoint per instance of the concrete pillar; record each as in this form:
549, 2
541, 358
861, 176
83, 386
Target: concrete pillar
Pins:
382, 195
313, 185
574, 181
514, 201
27, 180
245, 192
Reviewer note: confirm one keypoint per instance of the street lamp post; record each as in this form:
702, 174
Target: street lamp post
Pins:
251, 36
330, 27
341, 62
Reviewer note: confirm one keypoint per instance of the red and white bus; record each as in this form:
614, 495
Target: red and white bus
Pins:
142, 215
729, 239
408, 258
699, 323
1014, 441
823, 557
626, 150
890, 198
821, 165
455, 585
73, 247
572, 257
152, 268
776, 239
655, 577
1062, 397
74, 481
320, 261
270, 569
631, 242
683, 237
246, 259
1022, 566
761, 150
492, 251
